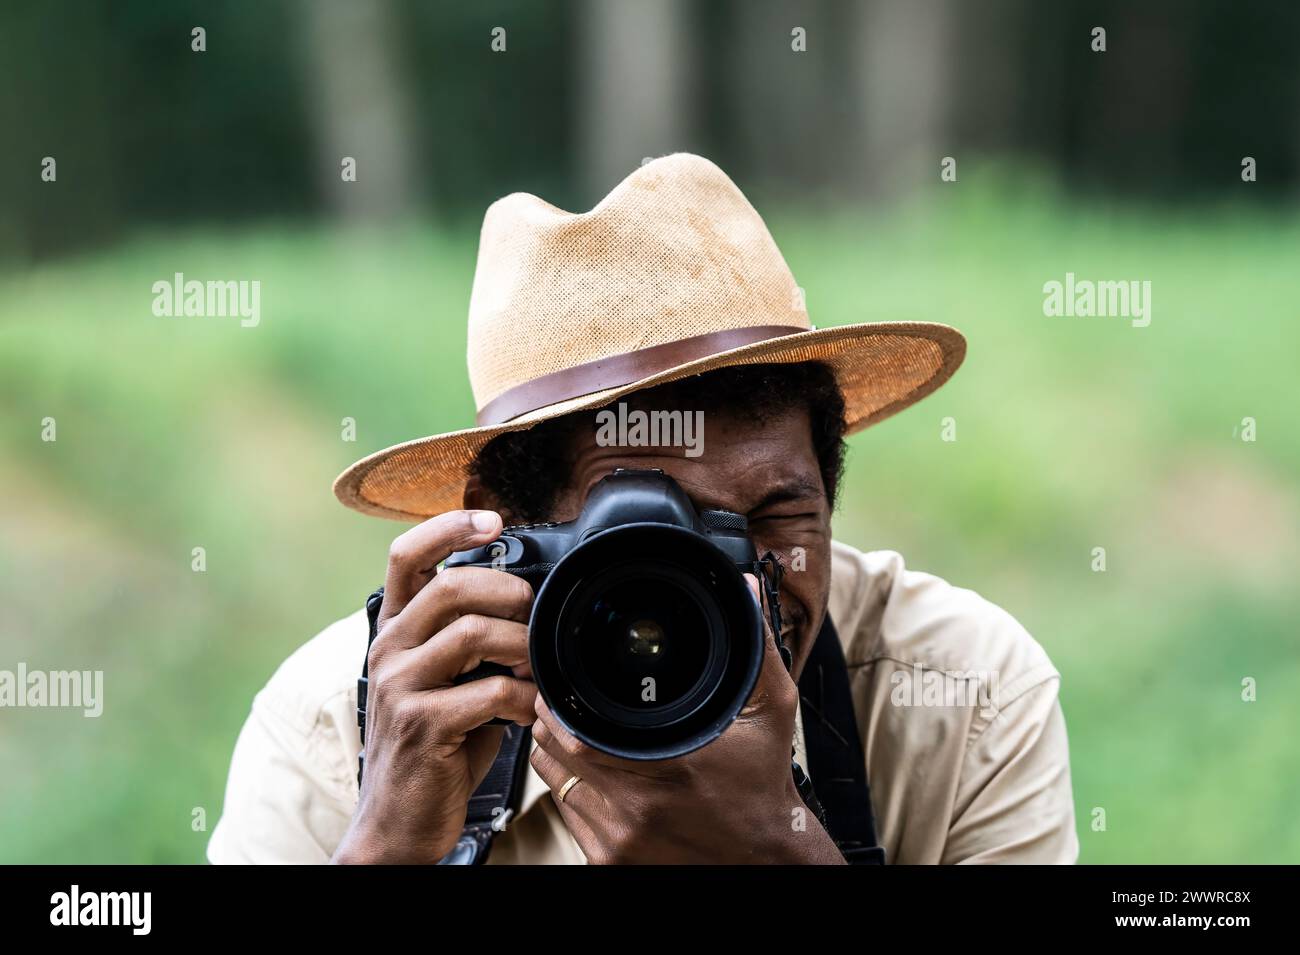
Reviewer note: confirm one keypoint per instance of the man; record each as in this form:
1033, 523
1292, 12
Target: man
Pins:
670, 295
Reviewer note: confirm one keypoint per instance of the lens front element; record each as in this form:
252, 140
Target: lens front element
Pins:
641, 642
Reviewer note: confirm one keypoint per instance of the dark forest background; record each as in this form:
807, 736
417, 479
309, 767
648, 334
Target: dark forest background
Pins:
147, 131
1174, 448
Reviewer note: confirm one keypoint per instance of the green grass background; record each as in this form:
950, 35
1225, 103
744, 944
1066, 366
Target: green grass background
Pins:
1071, 434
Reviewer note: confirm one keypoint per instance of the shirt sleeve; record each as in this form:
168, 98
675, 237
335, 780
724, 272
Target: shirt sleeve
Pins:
284, 799
1014, 803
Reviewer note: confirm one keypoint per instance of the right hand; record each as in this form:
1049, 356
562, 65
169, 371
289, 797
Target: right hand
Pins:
427, 747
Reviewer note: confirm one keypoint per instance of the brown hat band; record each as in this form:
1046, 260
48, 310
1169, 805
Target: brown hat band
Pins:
618, 370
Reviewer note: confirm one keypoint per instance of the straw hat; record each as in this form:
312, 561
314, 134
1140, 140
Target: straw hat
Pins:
673, 274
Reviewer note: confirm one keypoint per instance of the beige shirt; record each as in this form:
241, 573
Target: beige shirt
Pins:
957, 707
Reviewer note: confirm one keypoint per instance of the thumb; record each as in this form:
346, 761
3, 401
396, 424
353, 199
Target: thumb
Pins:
774, 680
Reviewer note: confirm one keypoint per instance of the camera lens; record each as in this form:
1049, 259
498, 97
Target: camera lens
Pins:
643, 644
645, 641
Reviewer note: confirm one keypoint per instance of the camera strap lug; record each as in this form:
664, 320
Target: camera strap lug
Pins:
769, 572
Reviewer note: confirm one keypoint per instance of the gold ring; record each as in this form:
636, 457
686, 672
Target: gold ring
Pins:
564, 790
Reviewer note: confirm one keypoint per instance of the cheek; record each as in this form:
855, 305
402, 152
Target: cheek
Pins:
804, 597
805, 588
805, 582
805, 554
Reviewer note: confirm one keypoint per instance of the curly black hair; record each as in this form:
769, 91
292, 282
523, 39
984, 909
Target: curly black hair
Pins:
526, 470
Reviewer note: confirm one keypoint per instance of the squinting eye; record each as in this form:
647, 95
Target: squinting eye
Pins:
772, 518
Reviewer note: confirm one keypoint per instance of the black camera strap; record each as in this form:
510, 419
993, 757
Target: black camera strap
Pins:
838, 792
835, 756
496, 799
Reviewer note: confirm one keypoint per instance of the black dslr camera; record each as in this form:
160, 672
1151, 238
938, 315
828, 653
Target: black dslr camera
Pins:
645, 640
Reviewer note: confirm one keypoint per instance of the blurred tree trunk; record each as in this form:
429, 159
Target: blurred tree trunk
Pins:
902, 81
989, 66
357, 107
789, 113
635, 87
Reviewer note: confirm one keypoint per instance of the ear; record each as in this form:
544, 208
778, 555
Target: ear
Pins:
477, 497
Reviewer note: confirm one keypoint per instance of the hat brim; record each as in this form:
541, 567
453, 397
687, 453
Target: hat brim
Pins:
881, 367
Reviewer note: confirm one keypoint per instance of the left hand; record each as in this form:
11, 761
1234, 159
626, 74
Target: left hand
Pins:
732, 801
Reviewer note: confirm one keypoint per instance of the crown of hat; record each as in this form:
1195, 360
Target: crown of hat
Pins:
674, 251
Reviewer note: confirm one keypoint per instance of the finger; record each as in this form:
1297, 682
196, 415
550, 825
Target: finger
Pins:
552, 772
456, 710
460, 647
555, 739
583, 807
454, 593
580, 801
414, 556
775, 686
770, 648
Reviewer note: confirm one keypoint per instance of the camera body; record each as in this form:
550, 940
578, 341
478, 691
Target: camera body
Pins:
644, 639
